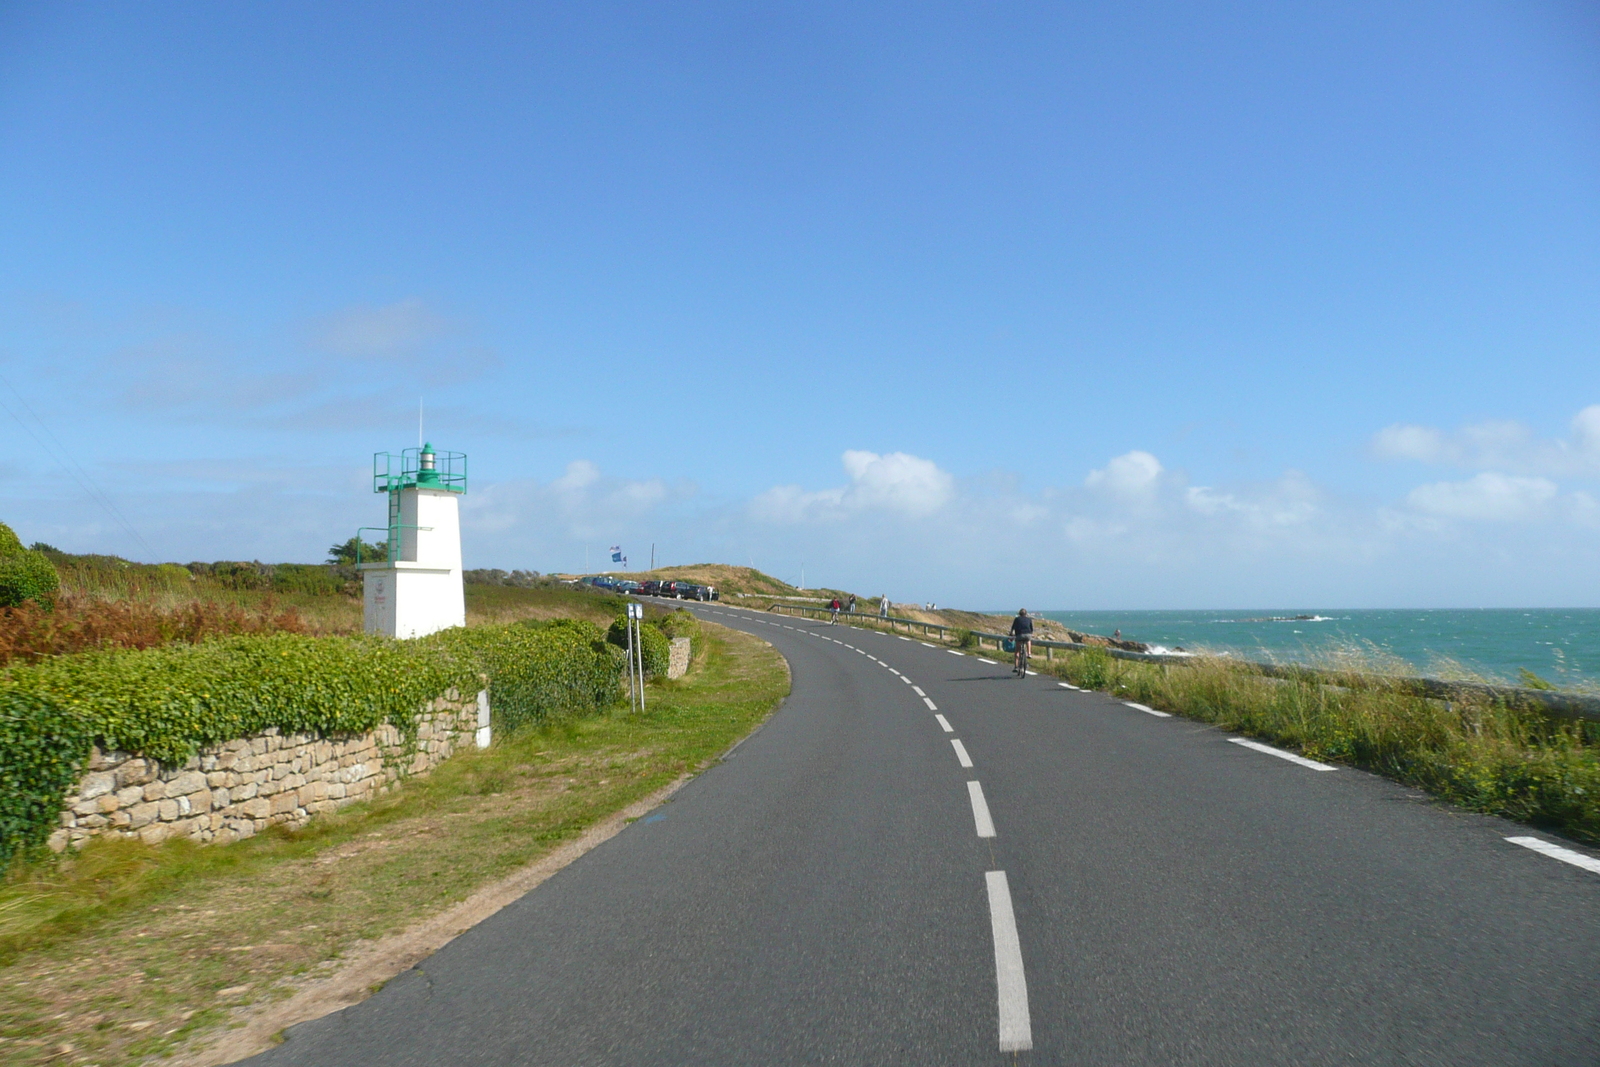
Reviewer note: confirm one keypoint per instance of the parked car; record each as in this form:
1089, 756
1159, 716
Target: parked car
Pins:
652, 587
674, 589
625, 585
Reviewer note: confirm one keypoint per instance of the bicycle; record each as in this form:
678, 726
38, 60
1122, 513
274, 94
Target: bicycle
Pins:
1020, 661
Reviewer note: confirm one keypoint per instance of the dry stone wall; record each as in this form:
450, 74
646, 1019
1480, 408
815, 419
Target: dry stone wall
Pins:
238, 788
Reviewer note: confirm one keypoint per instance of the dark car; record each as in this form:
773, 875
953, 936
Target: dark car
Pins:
673, 589
652, 587
625, 585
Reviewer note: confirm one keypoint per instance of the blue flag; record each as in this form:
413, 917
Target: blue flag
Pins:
616, 553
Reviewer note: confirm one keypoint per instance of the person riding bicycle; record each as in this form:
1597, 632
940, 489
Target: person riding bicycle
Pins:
1022, 637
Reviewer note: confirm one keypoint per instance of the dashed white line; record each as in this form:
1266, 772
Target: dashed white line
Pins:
926, 643
952, 651
1068, 685
931, 705
944, 724
903, 637
1147, 710
893, 671
961, 752
917, 689
1016, 1031
980, 810
1556, 852
1281, 754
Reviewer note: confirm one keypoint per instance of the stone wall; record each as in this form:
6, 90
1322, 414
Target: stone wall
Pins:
238, 788
678, 661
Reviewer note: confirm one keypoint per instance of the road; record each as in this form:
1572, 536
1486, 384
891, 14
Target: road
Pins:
1100, 886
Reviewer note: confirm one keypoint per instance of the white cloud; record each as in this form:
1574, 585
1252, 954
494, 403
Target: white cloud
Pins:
1489, 497
1131, 475
897, 483
1498, 445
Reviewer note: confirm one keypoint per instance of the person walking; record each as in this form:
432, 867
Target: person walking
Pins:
834, 607
883, 605
852, 606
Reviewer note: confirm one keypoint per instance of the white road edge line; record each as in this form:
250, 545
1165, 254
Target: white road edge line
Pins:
1281, 754
1067, 685
1159, 714
933, 646
944, 724
980, 810
903, 637
931, 705
1016, 1032
952, 651
1556, 852
961, 752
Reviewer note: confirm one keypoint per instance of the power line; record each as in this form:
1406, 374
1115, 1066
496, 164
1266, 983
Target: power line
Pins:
59, 453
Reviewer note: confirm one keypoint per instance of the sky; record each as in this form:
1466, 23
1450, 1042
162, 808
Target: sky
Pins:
1082, 306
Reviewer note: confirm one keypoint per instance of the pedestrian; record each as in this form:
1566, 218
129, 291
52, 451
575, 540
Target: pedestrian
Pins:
883, 605
1116, 635
852, 608
833, 607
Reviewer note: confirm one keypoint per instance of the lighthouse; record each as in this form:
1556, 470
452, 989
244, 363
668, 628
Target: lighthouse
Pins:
417, 589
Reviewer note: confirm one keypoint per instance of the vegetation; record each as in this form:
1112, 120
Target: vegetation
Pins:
1486, 757
118, 954
26, 575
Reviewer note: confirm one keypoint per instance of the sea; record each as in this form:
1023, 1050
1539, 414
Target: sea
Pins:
1560, 645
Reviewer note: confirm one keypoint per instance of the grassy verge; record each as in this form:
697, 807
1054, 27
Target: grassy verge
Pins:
1485, 757
125, 951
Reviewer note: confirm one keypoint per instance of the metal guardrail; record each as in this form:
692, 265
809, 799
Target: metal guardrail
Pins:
1550, 702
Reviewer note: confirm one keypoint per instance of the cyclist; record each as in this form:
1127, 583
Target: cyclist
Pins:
1022, 637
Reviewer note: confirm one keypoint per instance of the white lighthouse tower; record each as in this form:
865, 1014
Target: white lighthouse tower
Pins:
417, 589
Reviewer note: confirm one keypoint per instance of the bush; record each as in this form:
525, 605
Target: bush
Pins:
25, 575
655, 647
679, 623
539, 669
80, 623
43, 749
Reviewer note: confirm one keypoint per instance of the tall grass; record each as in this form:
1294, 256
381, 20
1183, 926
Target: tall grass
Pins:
1484, 756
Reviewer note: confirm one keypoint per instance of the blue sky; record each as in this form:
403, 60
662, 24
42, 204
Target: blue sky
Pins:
1091, 306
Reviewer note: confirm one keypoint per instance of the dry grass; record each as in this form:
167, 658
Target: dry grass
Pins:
127, 951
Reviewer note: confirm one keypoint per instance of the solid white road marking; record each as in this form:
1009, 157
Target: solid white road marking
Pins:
980, 810
1556, 852
931, 705
944, 724
1016, 1032
1281, 754
917, 689
961, 752
1148, 710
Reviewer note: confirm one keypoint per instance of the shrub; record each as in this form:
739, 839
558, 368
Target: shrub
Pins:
80, 623
539, 669
43, 748
678, 623
656, 649
25, 575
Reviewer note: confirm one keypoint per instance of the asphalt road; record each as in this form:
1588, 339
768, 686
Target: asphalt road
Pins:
1152, 893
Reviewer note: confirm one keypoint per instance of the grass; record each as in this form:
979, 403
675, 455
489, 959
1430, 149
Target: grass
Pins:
125, 951
1485, 757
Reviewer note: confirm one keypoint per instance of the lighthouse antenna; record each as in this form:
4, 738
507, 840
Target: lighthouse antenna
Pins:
419, 422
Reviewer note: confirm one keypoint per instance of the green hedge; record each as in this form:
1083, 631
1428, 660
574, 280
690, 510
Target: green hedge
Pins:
539, 669
168, 702
43, 749
657, 649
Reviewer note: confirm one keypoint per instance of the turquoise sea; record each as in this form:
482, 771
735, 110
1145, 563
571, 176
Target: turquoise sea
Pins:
1561, 645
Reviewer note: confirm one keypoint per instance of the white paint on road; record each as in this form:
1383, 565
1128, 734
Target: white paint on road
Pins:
903, 637
1281, 754
904, 679
980, 810
952, 651
931, 705
932, 646
944, 724
1016, 1031
917, 689
1556, 852
961, 752
1148, 710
